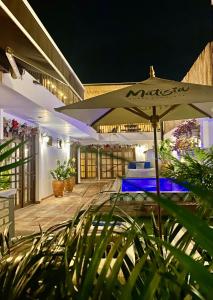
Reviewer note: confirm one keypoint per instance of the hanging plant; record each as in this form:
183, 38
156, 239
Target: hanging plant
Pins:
186, 128
185, 144
16, 129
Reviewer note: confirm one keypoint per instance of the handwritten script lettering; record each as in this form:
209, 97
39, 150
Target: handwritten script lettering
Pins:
157, 92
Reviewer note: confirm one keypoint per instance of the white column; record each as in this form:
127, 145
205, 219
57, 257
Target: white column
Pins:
98, 165
205, 133
1, 124
38, 182
210, 121
79, 164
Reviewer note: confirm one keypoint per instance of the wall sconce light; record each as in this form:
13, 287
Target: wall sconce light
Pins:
9, 53
37, 82
45, 137
59, 143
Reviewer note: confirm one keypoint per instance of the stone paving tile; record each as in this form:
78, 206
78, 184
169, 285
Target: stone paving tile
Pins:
55, 210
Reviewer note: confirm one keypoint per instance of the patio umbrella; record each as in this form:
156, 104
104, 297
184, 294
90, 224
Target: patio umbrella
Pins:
152, 100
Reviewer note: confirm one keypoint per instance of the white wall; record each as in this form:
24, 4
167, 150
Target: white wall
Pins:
140, 150
47, 157
206, 133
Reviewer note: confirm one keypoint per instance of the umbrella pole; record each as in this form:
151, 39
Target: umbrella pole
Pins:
154, 125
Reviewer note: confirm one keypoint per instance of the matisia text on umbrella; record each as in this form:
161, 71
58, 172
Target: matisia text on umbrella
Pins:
157, 92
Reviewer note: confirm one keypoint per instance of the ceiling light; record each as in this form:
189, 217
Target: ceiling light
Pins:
10, 57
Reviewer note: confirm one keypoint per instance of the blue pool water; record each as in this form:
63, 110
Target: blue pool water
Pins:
149, 185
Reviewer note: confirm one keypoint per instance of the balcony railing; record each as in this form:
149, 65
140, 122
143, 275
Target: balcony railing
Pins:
124, 128
60, 90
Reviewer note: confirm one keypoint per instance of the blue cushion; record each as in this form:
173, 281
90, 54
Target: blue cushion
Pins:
147, 165
132, 165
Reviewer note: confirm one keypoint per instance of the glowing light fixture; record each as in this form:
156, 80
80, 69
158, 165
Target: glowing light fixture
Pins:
59, 143
45, 137
9, 53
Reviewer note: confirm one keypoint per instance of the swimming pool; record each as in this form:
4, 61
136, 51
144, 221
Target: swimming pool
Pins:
149, 185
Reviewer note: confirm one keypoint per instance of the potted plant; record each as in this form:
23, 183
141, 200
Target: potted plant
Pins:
69, 182
59, 174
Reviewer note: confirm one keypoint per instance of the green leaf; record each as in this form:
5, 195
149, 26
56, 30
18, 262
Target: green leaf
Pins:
5, 144
198, 228
9, 152
15, 164
127, 289
151, 286
199, 272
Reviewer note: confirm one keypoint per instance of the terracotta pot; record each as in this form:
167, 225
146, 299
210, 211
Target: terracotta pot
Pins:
73, 179
58, 188
69, 184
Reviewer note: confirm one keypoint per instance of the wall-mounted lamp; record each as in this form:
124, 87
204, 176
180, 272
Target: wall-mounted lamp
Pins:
36, 82
59, 143
45, 137
9, 53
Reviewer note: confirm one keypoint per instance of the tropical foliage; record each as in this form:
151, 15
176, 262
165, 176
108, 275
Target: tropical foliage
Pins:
5, 180
64, 170
7, 149
192, 169
104, 256
71, 165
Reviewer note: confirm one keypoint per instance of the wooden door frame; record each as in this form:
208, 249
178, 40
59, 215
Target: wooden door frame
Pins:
31, 189
86, 165
122, 150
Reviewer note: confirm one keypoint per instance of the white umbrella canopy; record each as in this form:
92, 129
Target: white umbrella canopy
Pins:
133, 104
152, 100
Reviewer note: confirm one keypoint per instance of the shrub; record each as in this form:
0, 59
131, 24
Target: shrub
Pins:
96, 256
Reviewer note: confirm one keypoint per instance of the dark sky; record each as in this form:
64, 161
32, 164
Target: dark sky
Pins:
116, 41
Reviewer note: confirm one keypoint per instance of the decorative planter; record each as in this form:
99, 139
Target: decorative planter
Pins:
58, 188
69, 184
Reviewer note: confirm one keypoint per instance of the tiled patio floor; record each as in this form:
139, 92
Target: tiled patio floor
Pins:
55, 210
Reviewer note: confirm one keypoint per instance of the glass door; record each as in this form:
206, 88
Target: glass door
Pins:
88, 164
113, 162
23, 178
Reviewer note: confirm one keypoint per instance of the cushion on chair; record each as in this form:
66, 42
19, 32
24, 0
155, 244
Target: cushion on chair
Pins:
147, 165
132, 165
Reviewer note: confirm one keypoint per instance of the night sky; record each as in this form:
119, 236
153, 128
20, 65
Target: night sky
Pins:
116, 41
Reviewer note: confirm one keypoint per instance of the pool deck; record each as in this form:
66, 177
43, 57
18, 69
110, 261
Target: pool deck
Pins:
52, 211
55, 210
